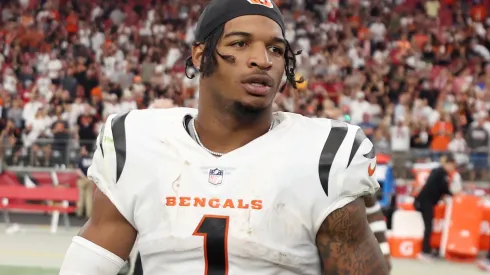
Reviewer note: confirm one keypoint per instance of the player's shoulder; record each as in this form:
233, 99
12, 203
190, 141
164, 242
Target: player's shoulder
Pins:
340, 140
127, 138
327, 140
336, 157
142, 126
140, 121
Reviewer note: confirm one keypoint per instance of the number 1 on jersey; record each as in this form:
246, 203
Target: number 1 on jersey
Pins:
214, 230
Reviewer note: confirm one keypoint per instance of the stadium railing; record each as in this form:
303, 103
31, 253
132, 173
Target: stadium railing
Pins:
52, 154
46, 153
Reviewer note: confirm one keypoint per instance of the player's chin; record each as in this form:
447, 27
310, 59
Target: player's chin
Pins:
254, 105
258, 102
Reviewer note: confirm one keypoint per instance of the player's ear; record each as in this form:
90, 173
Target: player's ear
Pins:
197, 53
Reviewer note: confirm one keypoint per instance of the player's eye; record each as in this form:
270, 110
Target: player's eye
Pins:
276, 50
239, 44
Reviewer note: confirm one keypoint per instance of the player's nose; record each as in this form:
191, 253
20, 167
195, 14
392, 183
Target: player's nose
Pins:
259, 59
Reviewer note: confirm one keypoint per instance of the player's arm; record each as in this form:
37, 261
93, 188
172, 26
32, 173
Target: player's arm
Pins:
344, 237
376, 220
106, 240
347, 245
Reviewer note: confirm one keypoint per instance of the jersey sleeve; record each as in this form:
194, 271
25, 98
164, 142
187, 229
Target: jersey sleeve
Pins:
352, 173
108, 164
359, 178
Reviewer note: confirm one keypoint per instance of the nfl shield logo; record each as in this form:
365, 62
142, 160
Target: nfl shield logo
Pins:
215, 176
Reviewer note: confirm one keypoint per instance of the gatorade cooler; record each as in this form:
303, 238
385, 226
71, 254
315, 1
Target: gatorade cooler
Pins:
406, 234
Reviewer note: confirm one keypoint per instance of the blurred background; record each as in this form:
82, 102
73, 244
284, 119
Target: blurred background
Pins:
413, 74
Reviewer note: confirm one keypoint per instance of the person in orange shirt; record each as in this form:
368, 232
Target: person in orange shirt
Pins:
96, 92
442, 132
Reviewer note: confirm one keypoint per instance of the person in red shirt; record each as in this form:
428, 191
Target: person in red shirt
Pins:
478, 11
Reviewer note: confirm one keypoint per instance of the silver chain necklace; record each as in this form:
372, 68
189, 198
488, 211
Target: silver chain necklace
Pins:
216, 154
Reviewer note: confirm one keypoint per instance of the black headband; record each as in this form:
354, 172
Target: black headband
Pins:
219, 12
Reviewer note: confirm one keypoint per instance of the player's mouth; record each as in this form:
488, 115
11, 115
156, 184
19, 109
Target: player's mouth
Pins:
257, 85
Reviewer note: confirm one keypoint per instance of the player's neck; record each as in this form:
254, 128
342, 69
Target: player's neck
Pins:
223, 132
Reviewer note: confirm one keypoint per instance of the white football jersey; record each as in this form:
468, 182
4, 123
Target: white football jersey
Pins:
255, 210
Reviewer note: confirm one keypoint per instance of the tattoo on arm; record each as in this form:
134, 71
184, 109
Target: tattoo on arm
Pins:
347, 245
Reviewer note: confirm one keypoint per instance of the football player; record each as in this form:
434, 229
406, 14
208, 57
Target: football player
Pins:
231, 188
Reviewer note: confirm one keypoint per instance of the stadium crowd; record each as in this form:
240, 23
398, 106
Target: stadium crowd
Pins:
414, 74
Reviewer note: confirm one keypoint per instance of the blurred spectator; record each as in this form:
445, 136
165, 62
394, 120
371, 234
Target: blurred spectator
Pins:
381, 143
420, 138
14, 113
442, 132
85, 185
86, 124
61, 137
478, 141
36, 128
459, 148
367, 126
359, 107
400, 147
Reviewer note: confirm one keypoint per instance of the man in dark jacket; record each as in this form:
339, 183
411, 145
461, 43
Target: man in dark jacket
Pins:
436, 186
